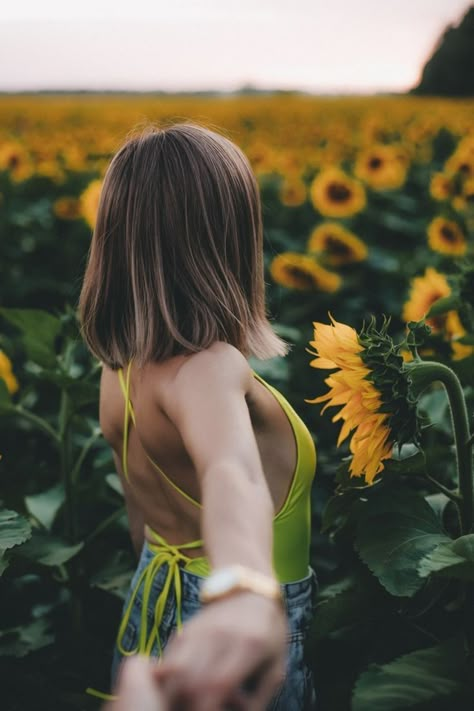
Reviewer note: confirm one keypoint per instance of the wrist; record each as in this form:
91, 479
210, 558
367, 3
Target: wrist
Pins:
229, 580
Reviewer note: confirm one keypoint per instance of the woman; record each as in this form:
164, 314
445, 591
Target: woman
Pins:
216, 465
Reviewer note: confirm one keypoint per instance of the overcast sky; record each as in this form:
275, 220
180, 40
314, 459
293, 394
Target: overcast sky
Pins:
317, 45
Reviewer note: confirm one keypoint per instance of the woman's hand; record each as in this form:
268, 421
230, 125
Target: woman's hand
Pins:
231, 655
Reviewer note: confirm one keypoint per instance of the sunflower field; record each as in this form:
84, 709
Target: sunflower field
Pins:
368, 209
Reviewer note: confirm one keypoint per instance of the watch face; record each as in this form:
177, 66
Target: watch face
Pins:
220, 581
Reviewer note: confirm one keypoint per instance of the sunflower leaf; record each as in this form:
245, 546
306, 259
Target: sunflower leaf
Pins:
414, 678
397, 532
14, 529
454, 559
39, 330
49, 550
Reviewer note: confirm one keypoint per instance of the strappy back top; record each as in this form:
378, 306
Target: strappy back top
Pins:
291, 525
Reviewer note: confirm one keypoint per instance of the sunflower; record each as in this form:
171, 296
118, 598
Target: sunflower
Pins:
338, 244
6, 373
89, 202
382, 167
454, 331
465, 201
67, 208
446, 237
336, 194
16, 160
441, 186
302, 272
424, 291
292, 192
337, 347
461, 162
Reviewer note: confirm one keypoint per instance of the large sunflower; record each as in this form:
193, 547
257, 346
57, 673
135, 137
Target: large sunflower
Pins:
337, 347
336, 194
446, 236
338, 245
382, 167
300, 271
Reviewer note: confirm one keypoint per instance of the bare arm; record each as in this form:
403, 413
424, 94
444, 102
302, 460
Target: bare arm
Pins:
206, 402
243, 636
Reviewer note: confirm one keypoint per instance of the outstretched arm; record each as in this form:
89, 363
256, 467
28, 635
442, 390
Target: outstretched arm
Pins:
243, 636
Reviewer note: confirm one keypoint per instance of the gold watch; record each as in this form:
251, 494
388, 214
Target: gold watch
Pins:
236, 578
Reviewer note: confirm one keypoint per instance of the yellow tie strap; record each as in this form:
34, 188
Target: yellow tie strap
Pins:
164, 553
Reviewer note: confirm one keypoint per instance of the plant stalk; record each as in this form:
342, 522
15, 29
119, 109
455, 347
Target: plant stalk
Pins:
423, 374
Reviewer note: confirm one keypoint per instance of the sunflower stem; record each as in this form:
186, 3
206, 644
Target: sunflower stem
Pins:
424, 373
453, 495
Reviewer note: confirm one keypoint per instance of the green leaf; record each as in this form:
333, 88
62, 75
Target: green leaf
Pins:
14, 529
273, 368
399, 530
442, 306
44, 506
409, 460
357, 604
454, 559
49, 550
115, 576
114, 482
19, 641
412, 679
39, 331
5, 400
4, 563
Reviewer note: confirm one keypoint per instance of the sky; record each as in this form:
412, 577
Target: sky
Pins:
325, 46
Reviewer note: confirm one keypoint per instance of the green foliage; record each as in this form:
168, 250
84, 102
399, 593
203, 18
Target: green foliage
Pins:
447, 72
418, 677
397, 533
454, 559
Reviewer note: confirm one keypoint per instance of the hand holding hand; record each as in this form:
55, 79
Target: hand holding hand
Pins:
231, 655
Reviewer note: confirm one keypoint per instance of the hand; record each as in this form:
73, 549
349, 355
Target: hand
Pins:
231, 655
137, 688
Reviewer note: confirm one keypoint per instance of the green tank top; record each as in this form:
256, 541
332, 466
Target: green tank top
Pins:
291, 525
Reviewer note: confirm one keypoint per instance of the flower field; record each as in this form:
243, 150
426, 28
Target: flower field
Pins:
368, 209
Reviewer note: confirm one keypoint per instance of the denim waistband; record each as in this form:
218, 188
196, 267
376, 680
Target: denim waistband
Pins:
295, 593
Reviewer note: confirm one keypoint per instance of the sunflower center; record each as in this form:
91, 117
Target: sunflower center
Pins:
375, 162
336, 246
338, 192
448, 233
464, 168
13, 161
302, 276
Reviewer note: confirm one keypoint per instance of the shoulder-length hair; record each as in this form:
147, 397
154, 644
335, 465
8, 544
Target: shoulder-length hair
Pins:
176, 258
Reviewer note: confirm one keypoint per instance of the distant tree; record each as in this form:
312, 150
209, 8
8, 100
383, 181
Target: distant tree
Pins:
450, 69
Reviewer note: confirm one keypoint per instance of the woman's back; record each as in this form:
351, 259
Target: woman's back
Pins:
155, 439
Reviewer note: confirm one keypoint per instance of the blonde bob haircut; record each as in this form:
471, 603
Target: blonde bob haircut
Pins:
176, 258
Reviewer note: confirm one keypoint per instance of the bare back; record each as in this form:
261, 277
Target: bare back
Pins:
150, 498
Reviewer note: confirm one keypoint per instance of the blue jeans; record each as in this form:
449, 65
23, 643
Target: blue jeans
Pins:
297, 691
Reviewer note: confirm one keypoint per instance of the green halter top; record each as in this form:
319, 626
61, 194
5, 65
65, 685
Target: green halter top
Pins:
291, 531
